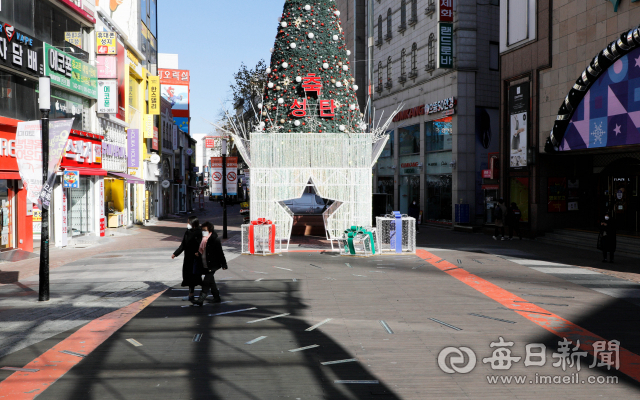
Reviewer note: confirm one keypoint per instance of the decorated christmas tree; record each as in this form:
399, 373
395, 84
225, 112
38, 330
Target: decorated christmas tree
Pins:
309, 83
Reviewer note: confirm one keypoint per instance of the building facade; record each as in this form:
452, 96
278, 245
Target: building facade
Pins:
439, 66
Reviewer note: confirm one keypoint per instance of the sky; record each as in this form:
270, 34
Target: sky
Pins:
212, 38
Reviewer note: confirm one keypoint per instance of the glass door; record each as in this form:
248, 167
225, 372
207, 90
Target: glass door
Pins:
7, 214
80, 208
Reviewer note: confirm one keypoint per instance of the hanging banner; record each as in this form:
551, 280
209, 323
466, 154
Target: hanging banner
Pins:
154, 95
133, 136
216, 176
29, 156
107, 97
232, 176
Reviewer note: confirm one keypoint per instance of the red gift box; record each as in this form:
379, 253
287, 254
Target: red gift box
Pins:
272, 235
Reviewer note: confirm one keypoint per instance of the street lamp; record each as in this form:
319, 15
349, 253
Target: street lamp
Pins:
224, 187
44, 100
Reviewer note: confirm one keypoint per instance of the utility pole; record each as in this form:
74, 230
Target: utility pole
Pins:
44, 88
370, 64
224, 187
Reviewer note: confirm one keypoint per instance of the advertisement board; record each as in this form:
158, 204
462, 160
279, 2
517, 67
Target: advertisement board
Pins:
105, 42
445, 45
75, 38
154, 95
70, 73
216, 176
174, 86
107, 97
19, 51
107, 67
232, 176
518, 124
71, 179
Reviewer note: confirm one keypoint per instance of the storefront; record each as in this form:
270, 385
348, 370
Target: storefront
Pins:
410, 166
438, 178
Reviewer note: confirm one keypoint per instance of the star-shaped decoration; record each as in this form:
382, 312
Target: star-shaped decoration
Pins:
286, 82
340, 28
345, 82
297, 22
617, 129
337, 103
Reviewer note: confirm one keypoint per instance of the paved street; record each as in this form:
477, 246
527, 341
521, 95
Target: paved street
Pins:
310, 324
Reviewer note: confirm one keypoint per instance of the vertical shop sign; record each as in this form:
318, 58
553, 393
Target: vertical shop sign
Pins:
107, 97
556, 195
106, 42
445, 45
154, 95
103, 225
146, 205
518, 123
120, 71
174, 138
107, 67
154, 141
133, 160
232, 176
216, 176
148, 127
445, 10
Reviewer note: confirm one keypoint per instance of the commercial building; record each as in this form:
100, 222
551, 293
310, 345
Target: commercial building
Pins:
436, 61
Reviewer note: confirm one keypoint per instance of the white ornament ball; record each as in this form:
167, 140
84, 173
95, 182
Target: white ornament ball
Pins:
282, 121
355, 87
348, 52
335, 37
339, 84
261, 124
280, 100
268, 70
298, 79
270, 85
352, 107
296, 123
325, 66
345, 67
311, 35
285, 65
307, 7
283, 24
292, 45
341, 127
333, 80
260, 106
271, 50
337, 13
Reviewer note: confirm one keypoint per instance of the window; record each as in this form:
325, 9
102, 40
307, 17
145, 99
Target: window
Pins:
18, 98
152, 18
431, 7
494, 56
389, 69
414, 12
520, 27
388, 24
414, 57
438, 134
431, 56
388, 147
409, 138
403, 13
18, 13
380, 29
403, 68
380, 75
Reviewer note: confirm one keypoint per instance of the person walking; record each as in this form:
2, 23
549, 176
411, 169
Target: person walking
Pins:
213, 259
499, 215
513, 217
414, 212
191, 266
607, 238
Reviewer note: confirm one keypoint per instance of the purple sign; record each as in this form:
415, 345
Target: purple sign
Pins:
133, 139
109, 149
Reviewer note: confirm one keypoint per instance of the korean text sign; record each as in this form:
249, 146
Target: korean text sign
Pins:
445, 45
70, 73
133, 138
106, 42
107, 97
154, 95
107, 67
19, 51
445, 10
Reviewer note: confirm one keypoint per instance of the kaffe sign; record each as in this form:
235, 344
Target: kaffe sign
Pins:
445, 45
20, 52
107, 97
518, 123
29, 156
70, 73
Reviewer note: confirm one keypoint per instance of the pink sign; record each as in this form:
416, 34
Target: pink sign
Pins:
107, 67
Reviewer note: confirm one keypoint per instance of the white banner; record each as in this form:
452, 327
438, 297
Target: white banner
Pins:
216, 176
29, 156
107, 97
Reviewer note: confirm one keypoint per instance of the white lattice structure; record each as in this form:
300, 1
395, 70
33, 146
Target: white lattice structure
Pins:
338, 164
362, 245
261, 240
383, 235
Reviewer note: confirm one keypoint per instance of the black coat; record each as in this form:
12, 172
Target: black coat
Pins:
607, 236
190, 244
215, 255
414, 211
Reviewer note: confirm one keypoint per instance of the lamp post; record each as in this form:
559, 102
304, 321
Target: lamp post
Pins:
44, 101
224, 188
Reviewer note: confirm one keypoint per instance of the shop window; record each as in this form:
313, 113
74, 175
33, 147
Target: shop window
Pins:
43, 20
153, 7
414, 58
409, 138
18, 97
7, 213
19, 13
439, 134
380, 75
388, 147
494, 56
403, 13
439, 198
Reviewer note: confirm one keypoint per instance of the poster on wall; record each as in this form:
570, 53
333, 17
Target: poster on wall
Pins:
518, 124
556, 195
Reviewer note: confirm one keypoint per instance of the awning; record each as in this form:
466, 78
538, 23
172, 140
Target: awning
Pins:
128, 178
9, 175
87, 171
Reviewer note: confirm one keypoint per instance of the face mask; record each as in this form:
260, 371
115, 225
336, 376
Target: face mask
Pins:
606, 218
206, 233
189, 226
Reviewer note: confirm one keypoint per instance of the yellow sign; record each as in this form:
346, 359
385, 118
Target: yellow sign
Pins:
154, 95
75, 38
148, 127
132, 57
106, 42
146, 208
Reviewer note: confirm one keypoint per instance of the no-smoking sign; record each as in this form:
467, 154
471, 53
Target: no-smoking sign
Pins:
217, 176
231, 176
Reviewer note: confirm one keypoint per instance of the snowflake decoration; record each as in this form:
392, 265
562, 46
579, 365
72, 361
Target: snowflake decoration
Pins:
286, 82
297, 22
345, 82
337, 104
598, 133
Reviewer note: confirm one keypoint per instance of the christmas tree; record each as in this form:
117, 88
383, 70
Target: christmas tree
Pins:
309, 84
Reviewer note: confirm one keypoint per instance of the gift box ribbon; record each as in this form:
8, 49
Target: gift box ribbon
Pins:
352, 232
272, 235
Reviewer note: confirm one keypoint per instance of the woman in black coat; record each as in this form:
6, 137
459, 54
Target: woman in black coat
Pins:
191, 266
212, 260
607, 238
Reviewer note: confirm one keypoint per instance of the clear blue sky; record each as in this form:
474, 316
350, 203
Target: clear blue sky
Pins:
213, 37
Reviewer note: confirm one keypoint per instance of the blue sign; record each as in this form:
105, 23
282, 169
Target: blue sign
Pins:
71, 180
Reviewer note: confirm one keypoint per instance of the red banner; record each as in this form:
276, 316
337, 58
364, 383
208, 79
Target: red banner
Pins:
445, 10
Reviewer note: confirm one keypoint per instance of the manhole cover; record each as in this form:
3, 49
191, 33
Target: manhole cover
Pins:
109, 256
